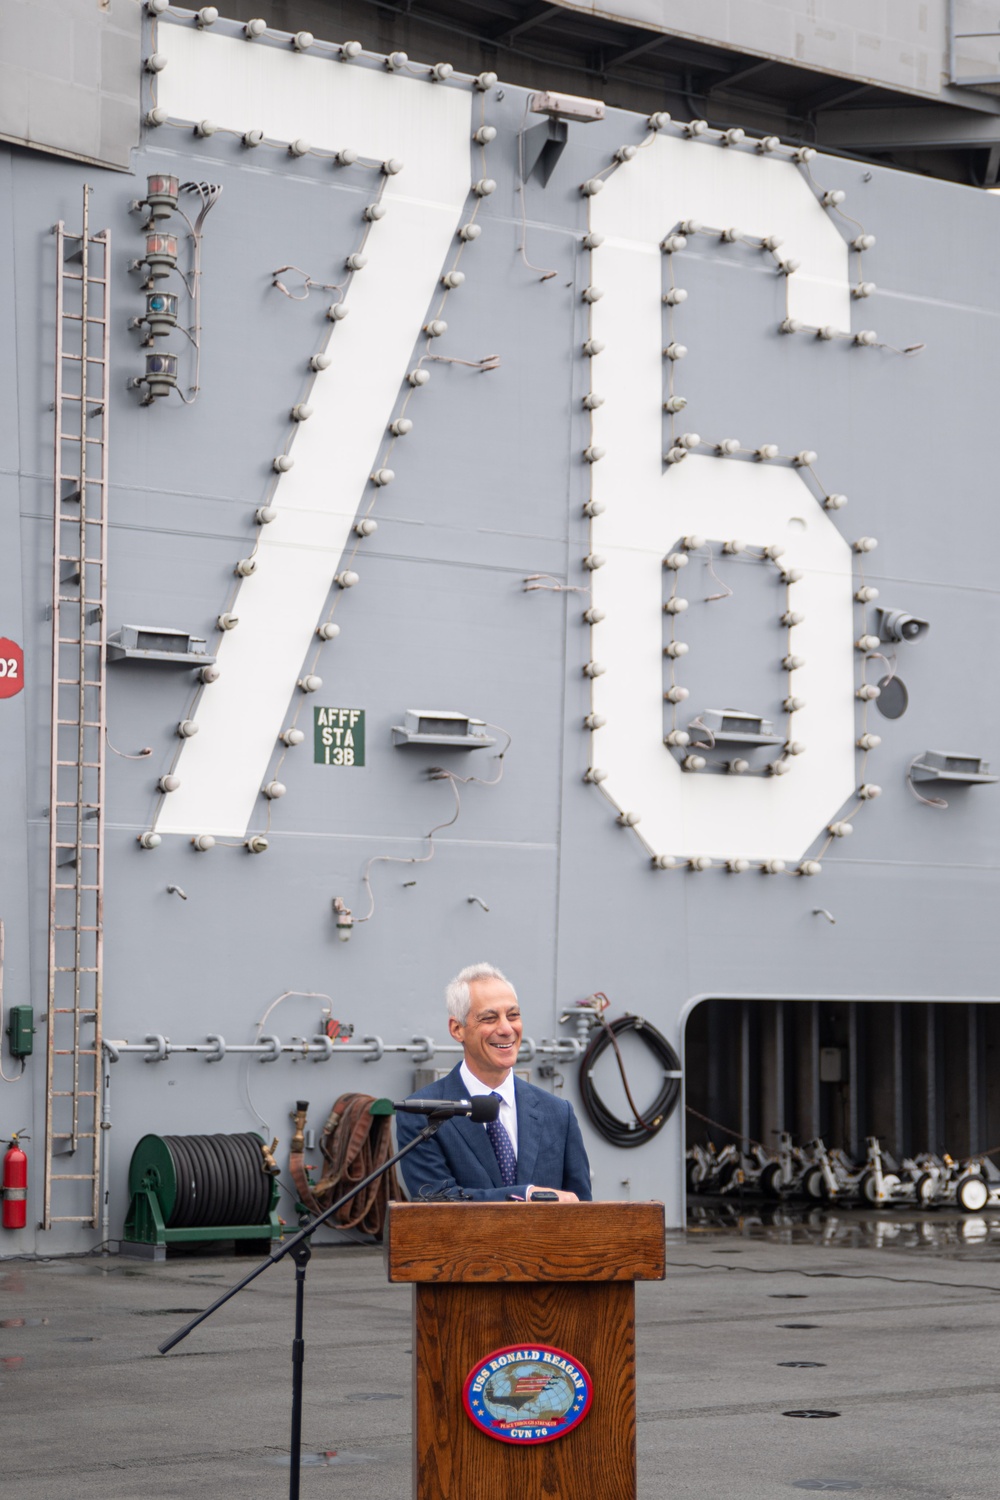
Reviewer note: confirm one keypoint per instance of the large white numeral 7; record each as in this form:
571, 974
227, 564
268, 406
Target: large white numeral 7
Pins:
244, 87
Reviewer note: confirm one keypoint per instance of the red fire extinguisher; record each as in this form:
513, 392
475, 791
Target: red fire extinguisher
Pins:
15, 1184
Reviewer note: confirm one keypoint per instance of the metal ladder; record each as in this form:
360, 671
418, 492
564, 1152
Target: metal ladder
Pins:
76, 802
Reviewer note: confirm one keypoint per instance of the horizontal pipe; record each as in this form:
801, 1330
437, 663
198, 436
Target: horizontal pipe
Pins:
158, 1048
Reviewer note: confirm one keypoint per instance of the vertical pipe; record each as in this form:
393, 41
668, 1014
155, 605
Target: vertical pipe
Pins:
780, 1080
899, 1083
745, 1071
855, 1110
814, 1116
973, 1088
933, 1062
100, 756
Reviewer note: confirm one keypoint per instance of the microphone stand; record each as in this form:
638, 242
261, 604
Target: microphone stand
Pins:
299, 1247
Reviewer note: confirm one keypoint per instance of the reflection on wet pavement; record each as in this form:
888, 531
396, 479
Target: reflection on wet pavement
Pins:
850, 1229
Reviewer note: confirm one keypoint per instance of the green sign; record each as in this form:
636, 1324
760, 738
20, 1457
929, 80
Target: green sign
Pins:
339, 736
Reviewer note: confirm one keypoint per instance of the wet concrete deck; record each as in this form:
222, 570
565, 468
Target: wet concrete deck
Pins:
892, 1322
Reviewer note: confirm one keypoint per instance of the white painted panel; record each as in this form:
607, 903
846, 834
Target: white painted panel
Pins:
239, 85
649, 509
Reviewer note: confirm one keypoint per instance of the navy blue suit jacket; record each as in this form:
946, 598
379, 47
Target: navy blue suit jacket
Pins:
550, 1149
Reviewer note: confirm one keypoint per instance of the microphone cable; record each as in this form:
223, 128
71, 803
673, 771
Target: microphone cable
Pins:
643, 1127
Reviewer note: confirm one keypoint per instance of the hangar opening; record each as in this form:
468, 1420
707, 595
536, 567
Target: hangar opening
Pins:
921, 1077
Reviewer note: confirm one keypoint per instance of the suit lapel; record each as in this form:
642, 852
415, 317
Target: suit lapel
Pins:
474, 1135
528, 1131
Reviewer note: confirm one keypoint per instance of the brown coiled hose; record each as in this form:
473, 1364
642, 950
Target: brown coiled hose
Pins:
353, 1143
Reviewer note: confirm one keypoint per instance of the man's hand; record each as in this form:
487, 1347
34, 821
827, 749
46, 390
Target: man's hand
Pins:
562, 1197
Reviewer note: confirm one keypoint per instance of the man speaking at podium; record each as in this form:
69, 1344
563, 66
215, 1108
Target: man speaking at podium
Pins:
534, 1146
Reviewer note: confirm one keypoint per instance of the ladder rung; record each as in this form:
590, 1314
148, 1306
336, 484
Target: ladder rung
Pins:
72, 844
87, 765
69, 1010
73, 1177
74, 887
74, 927
69, 1135
76, 968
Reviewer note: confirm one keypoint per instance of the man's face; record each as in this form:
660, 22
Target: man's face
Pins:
491, 1034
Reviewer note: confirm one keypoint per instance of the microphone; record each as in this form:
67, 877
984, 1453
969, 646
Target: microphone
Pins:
481, 1109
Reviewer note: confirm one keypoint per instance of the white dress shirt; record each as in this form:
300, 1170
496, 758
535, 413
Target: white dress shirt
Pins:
508, 1108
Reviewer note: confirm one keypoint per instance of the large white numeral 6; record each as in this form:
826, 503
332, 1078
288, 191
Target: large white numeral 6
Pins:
648, 509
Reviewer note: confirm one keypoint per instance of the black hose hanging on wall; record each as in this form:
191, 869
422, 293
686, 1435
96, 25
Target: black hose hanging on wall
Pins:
644, 1126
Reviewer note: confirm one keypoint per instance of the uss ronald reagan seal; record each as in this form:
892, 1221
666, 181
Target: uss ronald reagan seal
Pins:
527, 1393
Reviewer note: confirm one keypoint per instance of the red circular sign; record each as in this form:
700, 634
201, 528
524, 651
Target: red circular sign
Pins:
11, 668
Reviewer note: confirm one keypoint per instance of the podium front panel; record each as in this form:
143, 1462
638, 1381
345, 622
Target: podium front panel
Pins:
457, 1326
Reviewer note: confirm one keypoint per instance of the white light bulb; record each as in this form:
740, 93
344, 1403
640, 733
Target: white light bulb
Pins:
728, 446
826, 333
310, 683
592, 241
593, 615
485, 81
351, 50
246, 567
792, 617
592, 401
155, 62
302, 41
675, 455
595, 775
672, 243
485, 134
730, 236
695, 127
841, 830
594, 508
677, 694
628, 819
345, 157
228, 621
594, 669
788, 267
374, 211
469, 232
328, 631
834, 502
346, 578
693, 542
391, 166
792, 575
863, 289
664, 862
203, 842
867, 337
675, 351
401, 427
593, 561
737, 866
157, 116
149, 840
676, 649
436, 328
869, 741
768, 143
169, 783
698, 862
675, 404
675, 296
867, 643
337, 312
868, 791
771, 242
868, 692
773, 866
356, 261
396, 61
779, 768
418, 377
211, 673
625, 153
804, 153
833, 197
205, 128
734, 548
265, 514
690, 226
440, 72
593, 347
738, 767
292, 736
678, 738
804, 458
452, 279
810, 867
484, 187
367, 527
676, 560
253, 138
793, 663
693, 763
793, 705
865, 544
658, 121
675, 606
864, 242
595, 721
689, 440
794, 747
790, 325
255, 28
301, 412
773, 551
594, 453
256, 844
732, 137
592, 294
866, 594
274, 789
591, 187
187, 728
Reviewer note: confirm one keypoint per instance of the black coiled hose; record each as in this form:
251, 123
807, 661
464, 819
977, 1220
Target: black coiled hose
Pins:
643, 1127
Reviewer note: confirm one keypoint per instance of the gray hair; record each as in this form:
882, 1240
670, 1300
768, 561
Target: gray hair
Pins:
457, 996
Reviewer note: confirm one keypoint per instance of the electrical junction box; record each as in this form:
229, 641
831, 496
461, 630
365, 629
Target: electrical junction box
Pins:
439, 726
21, 1031
831, 1065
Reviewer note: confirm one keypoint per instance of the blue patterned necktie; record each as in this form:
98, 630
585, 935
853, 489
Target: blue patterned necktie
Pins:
503, 1149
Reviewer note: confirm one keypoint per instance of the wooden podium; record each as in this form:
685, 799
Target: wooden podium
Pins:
493, 1276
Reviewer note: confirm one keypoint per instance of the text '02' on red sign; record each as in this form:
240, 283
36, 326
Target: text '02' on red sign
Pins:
11, 668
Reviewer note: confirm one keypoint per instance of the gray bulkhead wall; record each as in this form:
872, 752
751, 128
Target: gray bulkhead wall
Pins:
489, 489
